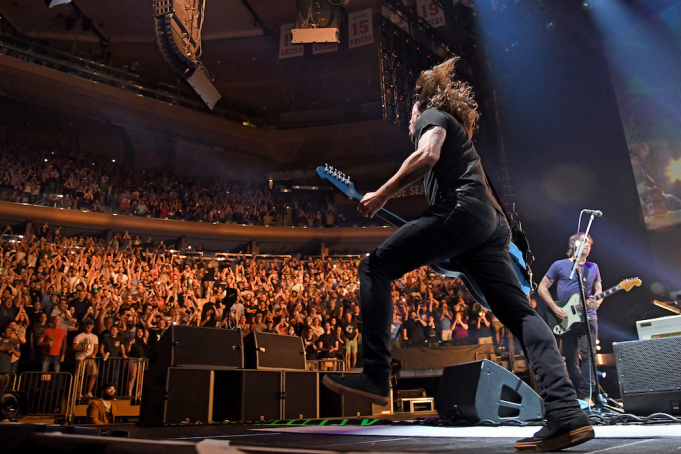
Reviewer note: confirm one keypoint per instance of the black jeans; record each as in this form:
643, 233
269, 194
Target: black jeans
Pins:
477, 237
578, 358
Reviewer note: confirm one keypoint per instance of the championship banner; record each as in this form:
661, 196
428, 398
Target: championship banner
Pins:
360, 28
431, 12
395, 18
413, 190
286, 49
324, 48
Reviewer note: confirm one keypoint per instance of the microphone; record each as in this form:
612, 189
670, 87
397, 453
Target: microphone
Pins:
597, 213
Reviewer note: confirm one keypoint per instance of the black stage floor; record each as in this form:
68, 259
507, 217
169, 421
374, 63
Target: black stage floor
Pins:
235, 438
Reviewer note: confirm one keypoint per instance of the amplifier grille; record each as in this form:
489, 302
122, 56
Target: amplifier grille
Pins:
649, 365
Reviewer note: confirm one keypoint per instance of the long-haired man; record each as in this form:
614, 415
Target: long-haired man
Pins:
464, 223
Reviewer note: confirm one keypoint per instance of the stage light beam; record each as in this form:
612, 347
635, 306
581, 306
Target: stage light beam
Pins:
674, 171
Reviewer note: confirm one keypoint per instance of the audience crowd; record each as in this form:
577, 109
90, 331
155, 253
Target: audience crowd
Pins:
47, 177
76, 299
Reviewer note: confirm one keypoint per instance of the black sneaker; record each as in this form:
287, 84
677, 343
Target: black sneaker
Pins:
375, 391
564, 428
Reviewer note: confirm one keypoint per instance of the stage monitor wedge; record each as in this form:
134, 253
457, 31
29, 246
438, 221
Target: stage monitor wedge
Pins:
483, 390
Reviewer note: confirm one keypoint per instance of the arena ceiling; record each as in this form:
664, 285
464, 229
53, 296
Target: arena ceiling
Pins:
240, 42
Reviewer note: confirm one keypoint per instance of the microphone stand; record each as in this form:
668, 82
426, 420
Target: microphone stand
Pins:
602, 403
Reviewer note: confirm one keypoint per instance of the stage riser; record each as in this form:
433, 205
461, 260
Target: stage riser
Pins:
204, 395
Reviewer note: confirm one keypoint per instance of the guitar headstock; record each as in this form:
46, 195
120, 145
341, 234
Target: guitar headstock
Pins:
628, 284
341, 181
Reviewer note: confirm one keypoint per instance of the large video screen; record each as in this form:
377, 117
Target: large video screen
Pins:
645, 63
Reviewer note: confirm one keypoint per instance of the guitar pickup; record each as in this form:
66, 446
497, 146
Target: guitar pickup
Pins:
574, 311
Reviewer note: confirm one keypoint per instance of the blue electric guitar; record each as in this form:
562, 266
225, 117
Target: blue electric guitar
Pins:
446, 268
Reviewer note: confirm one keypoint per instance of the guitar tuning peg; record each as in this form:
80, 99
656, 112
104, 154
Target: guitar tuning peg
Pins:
326, 167
349, 179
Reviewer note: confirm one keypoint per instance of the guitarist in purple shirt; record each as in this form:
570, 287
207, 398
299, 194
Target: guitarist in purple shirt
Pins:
575, 342
466, 224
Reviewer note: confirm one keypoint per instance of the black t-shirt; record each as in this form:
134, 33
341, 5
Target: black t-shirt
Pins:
327, 341
139, 349
415, 330
112, 345
349, 328
459, 167
155, 336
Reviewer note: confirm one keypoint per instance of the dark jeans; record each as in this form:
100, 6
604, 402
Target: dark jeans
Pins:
474, 234
578, 358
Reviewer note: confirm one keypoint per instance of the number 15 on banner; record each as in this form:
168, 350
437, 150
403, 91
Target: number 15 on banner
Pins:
360, 28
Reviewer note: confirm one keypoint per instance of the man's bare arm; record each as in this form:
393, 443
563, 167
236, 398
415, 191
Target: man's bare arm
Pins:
419, 162
412, 169
543, 290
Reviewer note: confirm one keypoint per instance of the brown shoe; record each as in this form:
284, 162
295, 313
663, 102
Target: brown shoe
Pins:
565, 427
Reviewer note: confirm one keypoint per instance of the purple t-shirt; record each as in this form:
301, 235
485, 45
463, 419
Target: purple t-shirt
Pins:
559, 272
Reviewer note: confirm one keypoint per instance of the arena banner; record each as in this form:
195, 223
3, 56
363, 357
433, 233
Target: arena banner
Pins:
360, 28
413, 190
286, 49
395, 18
324, 48
431, 12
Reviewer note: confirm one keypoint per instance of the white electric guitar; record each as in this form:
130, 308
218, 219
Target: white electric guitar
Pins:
573, 306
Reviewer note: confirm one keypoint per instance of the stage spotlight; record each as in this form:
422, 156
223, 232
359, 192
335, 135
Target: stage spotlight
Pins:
586, 5
550, 25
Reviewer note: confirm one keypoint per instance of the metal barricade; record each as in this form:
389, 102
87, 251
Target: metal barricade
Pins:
326, 365
124, 373
48, 393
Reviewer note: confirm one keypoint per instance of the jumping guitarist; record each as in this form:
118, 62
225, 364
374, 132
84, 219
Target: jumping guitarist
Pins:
465, 223
575, 343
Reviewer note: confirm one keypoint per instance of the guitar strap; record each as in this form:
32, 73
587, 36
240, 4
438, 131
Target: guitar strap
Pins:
517, 233
585, 278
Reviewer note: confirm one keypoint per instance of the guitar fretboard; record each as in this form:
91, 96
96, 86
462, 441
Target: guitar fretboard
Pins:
608, 292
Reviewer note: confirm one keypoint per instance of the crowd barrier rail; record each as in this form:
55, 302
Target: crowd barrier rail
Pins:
48, 393
326, 365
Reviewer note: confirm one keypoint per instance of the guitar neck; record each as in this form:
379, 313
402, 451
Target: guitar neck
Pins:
387, 216
608, 292
391, 218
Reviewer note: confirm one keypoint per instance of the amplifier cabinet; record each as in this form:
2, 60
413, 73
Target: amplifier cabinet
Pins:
648, 372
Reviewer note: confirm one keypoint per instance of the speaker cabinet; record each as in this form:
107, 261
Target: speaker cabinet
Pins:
483, 390
195, 346
190, 395
333, 405
301, 395
247, 395
183, 395
648, 372
274, 351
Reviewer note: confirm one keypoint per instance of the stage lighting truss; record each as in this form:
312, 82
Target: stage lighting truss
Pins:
178, 25
401, 61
